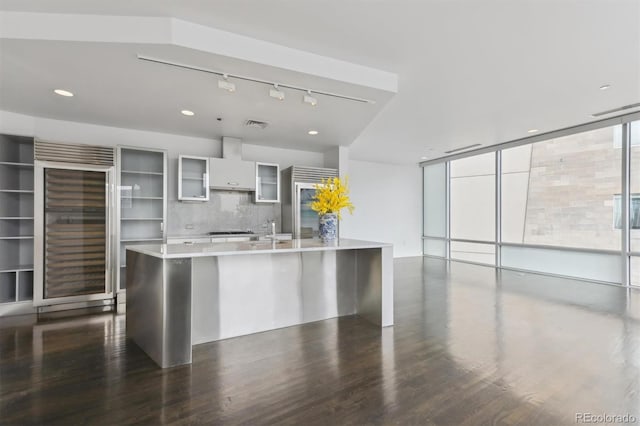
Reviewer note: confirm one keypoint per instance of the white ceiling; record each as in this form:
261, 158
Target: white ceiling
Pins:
114, 88
470, 71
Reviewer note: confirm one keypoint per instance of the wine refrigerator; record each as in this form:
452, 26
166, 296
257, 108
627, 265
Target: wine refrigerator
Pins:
74, 225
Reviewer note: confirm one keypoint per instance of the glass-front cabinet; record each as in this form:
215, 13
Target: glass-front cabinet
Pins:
193, 178
267, 183
307, 221
142, 189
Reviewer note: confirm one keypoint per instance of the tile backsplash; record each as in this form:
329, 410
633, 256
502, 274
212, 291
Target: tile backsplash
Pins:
224, 211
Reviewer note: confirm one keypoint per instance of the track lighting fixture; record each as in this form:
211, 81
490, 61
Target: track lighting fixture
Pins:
308, 99
226, 85
276, 93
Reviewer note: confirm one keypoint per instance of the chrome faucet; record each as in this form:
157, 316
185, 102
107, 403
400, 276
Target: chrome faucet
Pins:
273, 235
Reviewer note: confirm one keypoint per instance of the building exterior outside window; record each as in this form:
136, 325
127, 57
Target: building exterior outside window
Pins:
560, 204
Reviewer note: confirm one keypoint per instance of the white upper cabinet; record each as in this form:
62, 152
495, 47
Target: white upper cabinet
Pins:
233, 175
193, 178
267, 183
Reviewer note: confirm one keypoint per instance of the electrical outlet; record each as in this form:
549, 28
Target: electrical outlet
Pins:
188, 226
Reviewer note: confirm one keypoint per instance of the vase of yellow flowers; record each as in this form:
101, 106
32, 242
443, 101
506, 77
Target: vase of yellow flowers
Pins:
332, 195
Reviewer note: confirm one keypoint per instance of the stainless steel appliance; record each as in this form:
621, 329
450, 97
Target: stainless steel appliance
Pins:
74, 225
298, 190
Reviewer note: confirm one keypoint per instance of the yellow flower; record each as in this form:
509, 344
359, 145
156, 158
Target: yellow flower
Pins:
332, 195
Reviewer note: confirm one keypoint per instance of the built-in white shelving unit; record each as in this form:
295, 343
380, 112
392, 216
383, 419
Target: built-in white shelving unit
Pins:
142, 188
16, 224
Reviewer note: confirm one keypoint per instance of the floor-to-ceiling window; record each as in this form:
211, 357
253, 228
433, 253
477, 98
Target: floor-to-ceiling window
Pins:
560, 201
634, 202
473, 211
435, 210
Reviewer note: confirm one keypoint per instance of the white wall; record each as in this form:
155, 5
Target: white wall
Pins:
338, 158
84, 133
388, 200
284, 157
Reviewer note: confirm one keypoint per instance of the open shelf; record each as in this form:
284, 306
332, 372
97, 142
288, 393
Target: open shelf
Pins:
141, 186
16, 220
133, 240
16, 268
25, 286
8, 287
18, 165
140, 172
142, 200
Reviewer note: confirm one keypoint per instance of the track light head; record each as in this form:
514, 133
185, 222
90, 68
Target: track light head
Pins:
226, 85
276, 93
308, 99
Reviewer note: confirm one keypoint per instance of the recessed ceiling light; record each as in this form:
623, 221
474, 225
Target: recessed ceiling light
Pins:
188, 113
605, 86
423, 158
532, 130
313, 132
62, 92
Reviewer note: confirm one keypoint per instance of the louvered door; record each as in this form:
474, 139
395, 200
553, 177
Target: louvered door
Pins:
75, 232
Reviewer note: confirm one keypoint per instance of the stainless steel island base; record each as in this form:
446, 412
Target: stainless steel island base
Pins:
178, 297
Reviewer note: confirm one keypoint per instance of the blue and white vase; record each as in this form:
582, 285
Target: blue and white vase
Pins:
329, 227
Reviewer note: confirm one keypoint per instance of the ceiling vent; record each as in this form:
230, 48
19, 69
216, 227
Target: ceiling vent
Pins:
256, 124
462, 148
620, 109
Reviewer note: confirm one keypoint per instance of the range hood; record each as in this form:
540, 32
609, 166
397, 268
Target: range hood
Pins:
231, 172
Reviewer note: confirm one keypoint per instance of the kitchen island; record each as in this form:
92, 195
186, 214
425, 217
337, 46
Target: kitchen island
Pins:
183, 295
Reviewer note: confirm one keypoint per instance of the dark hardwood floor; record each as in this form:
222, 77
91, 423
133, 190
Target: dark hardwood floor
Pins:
470, 346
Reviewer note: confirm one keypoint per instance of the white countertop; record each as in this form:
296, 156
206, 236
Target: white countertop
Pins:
177, 251
254, 235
